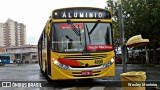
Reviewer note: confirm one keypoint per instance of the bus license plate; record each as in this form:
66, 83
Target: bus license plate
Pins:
86, 72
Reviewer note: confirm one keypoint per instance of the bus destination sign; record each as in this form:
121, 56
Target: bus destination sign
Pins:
81, 13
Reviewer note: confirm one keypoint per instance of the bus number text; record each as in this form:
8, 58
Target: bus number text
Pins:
98, 61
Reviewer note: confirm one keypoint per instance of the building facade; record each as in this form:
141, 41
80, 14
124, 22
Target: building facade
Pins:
2, 44
12, 33
2, 50
25, 53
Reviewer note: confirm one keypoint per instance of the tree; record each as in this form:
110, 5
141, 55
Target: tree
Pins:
140, 17
115, 24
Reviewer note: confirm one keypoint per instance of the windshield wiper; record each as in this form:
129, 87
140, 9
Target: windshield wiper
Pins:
88, 34
75, 29
95, 25
93, 28
77, 32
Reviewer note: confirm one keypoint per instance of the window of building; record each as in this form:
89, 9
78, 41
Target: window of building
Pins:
34, 57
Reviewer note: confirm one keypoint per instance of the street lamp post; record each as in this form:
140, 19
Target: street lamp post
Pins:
123, 46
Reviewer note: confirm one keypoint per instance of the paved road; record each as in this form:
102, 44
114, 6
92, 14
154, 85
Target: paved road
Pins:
30, 72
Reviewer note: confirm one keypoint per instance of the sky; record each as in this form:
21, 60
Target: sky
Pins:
34, 13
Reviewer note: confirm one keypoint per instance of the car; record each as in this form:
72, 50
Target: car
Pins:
11, 62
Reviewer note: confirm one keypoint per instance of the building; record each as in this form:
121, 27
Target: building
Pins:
2, 50
25, 53
12, 33
2, 44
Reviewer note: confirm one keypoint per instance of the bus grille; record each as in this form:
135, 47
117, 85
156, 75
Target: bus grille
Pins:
78, 74
85, 66
85, 57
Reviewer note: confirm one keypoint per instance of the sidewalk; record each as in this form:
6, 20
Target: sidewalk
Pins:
152, 73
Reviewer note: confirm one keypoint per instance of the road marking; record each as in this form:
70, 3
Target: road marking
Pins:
76, 88
97, 88
71, 88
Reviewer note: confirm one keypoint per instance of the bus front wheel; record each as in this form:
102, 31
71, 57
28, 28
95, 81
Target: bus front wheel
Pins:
46, 75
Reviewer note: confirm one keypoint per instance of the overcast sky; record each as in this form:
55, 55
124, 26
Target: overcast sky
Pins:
34, 13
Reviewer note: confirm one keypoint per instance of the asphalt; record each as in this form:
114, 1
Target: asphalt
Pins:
31, 72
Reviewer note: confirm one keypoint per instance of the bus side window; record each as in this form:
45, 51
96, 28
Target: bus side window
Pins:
54, 39
43, 40
51, 36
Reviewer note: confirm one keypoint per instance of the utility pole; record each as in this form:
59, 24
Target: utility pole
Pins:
123, 46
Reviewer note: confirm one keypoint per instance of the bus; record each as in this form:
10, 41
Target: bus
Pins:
4, 59
77, 43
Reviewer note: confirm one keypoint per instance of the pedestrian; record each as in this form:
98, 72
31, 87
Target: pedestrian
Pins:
18, 61
14, 61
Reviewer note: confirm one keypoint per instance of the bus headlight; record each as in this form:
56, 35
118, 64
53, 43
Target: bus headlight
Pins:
60, 65
109, 63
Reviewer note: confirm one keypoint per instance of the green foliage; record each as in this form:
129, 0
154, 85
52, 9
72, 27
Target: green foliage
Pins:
115, 24
140, 17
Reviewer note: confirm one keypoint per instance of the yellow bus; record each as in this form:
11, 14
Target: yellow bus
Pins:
77, 43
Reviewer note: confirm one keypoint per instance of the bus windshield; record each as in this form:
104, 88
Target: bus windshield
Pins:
81, 37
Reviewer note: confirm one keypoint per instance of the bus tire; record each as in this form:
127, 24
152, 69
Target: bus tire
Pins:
41, 70
46, 75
